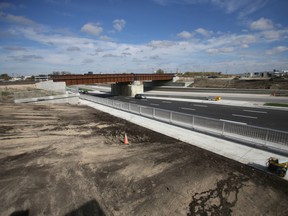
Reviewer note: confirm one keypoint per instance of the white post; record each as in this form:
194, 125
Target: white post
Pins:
223, 128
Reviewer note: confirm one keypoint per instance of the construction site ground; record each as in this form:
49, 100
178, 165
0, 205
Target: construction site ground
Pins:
71, 160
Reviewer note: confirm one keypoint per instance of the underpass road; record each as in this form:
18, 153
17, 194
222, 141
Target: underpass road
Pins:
264, 98
260, 117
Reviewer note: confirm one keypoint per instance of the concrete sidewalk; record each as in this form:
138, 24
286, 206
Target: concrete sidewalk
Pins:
242, 153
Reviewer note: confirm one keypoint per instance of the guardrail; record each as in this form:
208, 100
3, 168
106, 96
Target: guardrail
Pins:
257, 136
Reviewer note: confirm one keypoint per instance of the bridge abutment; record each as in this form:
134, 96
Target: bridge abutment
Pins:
127, 89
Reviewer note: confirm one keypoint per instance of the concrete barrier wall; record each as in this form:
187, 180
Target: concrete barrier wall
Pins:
52, 86
65, 98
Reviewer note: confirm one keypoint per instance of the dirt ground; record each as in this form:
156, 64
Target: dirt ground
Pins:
7, 91
71, 160
242, 84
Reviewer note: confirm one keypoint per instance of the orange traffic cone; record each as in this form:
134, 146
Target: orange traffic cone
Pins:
126, 139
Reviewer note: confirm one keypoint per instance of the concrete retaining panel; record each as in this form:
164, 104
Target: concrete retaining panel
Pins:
52, 86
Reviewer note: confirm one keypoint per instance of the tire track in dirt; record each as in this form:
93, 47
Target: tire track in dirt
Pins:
220, 200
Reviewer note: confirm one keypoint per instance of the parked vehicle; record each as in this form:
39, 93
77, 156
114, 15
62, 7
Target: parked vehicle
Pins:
83, 91
213, 98
140, 96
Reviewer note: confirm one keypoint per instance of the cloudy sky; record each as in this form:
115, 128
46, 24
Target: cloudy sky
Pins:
141, 36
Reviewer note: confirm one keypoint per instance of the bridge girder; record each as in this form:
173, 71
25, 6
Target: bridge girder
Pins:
78, 79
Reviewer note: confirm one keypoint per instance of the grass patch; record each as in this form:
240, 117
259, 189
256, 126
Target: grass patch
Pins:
6, 96
276, 104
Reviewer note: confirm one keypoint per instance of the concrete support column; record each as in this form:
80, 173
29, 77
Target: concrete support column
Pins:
127, 89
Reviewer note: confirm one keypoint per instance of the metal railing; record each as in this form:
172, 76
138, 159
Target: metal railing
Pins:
252, 135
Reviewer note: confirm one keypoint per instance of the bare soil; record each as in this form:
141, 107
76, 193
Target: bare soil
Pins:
7, 90
241, 84
71, 160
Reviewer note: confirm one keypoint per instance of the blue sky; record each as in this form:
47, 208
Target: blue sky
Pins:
141, 36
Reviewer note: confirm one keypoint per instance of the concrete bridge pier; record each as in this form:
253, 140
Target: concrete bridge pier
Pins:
127, 89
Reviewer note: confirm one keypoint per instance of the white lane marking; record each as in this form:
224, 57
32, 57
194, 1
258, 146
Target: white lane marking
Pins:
184, 108
127, 98
154, 104
197, 105
166, 101
132, 101
253, 117
255, 111
243, 123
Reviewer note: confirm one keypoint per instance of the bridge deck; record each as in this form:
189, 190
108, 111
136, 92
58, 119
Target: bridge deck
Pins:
107, 78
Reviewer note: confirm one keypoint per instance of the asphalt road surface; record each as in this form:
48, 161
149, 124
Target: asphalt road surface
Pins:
263, 98
267, 118
254, 95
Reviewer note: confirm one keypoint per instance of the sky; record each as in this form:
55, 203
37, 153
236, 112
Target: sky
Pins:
142, 36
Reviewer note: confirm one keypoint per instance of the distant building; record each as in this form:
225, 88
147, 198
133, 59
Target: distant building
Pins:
258, 74
41, 78
26, 77
89, 73
16, 79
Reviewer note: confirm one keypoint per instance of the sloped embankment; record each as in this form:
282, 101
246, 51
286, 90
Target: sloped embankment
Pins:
70, 160
241, 84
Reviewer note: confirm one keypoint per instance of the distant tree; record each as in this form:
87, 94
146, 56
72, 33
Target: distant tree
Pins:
32, 78
160, 71
60, 73
65, 73
56, 73
5, 77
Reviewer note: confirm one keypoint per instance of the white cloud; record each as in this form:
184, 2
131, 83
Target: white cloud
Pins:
119, 24
220, 50
242, 7
185, 35
105, 38
277, 50
251, 7
87, 61
18, 20
52, 39
212, 51
167, 54
73, 48
271, 35
232, 40
93, 29
245, 46
262, 24
161, 44
24, 58
230, 5
245, 40
110, 56
204, 32
14, 48
154, 57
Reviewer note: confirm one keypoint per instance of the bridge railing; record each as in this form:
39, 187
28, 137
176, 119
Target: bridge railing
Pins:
256, 136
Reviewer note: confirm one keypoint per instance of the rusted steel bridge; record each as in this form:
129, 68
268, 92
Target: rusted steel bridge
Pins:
109, 78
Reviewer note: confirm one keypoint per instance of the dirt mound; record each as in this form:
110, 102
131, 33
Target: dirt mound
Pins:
71, 160
241, 84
